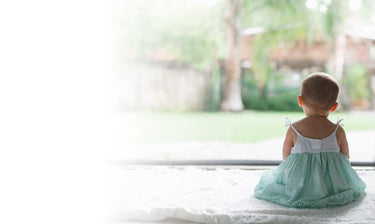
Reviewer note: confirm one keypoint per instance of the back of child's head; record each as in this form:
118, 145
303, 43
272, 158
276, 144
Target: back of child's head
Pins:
320, 91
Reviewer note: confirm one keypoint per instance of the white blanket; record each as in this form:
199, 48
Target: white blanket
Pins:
217, 196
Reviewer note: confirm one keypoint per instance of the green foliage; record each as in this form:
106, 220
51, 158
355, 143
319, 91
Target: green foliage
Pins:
189, 32
192, 32
367, 10
334, 17
275, 97
273, 14
264, 44
288, 23
356, 80
283, 101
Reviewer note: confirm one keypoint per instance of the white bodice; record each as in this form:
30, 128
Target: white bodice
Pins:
309, 145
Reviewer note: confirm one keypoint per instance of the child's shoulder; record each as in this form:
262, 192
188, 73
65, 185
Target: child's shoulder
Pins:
340, 131
307, 121
316, 128
302, 122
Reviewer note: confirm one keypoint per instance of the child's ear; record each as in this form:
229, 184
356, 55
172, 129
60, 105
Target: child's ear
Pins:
300, 101
334, 107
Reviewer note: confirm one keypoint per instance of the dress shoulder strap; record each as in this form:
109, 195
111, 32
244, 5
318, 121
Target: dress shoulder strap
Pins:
288, 122
338, 123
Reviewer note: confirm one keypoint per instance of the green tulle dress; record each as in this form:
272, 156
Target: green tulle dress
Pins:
314, 175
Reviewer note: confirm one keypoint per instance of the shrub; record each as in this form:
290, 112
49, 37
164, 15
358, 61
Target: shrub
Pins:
357, 84
274, 96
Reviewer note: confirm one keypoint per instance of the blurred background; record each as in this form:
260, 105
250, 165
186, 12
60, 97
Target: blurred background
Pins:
215, 79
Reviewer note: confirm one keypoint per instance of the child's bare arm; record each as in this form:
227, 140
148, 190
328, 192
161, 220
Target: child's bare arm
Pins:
342, 142
288, 143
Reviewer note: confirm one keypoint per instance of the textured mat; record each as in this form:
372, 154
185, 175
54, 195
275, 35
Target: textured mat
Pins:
217, 196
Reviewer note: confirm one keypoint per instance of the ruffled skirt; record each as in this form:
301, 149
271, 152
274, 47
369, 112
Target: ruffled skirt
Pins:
311, 180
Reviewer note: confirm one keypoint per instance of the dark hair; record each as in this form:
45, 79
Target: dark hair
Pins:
320, 90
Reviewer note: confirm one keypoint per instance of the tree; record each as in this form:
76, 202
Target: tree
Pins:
283, 21
334, 20
232, 90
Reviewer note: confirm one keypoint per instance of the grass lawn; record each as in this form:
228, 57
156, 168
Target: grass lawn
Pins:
245, 127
